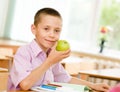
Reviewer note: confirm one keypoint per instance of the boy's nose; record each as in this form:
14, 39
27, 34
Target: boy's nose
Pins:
52, 34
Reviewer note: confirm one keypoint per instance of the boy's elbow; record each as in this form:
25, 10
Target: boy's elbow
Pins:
24, 86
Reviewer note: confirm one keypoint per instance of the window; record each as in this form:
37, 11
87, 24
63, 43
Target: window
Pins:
79, 19
110, 16
24, 15
82, 23
82, 20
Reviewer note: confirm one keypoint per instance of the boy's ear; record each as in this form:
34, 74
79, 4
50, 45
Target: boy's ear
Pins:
33, 29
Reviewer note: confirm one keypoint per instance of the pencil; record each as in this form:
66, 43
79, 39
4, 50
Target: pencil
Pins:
48, 87
56, 85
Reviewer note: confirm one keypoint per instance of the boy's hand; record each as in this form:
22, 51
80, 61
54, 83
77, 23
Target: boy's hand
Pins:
56, 56
102, 87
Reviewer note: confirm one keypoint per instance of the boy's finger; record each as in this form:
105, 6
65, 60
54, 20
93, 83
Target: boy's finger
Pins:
54, 46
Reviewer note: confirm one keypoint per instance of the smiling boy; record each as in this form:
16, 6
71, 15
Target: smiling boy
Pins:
38, 62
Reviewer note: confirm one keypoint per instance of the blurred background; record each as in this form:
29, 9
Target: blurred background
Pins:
82, 20
90, 26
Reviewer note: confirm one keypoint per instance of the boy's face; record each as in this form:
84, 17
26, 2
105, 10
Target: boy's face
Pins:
48, 31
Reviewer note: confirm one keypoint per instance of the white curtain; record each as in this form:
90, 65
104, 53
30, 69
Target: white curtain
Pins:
3, 14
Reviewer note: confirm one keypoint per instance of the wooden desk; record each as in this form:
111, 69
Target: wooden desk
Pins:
3, 73
3, 80
34, 91
18, 91
22, 91
6, 62
3, 70
105, 74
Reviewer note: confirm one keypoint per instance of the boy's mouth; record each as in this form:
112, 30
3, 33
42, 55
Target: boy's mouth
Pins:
50, 41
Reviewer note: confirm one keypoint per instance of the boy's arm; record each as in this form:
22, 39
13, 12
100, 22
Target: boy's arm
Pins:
99, 86
53, 58
34, 76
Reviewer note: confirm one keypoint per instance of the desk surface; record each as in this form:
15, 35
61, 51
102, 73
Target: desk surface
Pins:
71, 87
5, 62
19, 91
3, 69
6, 58
3, 58
34, 91
104, 73
29, 91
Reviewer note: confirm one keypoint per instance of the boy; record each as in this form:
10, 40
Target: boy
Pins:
38, 62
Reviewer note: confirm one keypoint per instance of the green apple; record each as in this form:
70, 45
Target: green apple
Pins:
62, 45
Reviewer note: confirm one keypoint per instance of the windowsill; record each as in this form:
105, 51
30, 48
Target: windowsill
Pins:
80, 49
88, 50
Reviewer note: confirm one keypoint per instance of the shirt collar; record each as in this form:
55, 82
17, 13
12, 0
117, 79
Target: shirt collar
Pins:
35, 48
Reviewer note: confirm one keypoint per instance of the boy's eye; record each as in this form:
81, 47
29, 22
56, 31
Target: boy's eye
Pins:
46, 28
57, 30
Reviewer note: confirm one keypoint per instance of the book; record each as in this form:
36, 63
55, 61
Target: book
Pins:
61, 87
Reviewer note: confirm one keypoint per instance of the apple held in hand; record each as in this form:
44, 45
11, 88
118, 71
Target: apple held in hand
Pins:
62, 45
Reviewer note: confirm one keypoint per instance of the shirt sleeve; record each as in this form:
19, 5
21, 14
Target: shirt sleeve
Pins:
60, 74
21, 67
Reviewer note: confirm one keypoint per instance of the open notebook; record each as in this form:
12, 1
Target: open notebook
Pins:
61, 87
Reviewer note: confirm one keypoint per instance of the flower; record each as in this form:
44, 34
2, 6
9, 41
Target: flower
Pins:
103, 37
104, 30
103, 33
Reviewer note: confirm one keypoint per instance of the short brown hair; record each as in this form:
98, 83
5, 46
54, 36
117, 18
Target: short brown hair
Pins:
47, 11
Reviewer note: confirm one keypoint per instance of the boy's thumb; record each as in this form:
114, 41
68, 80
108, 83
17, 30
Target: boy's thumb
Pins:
54, 46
